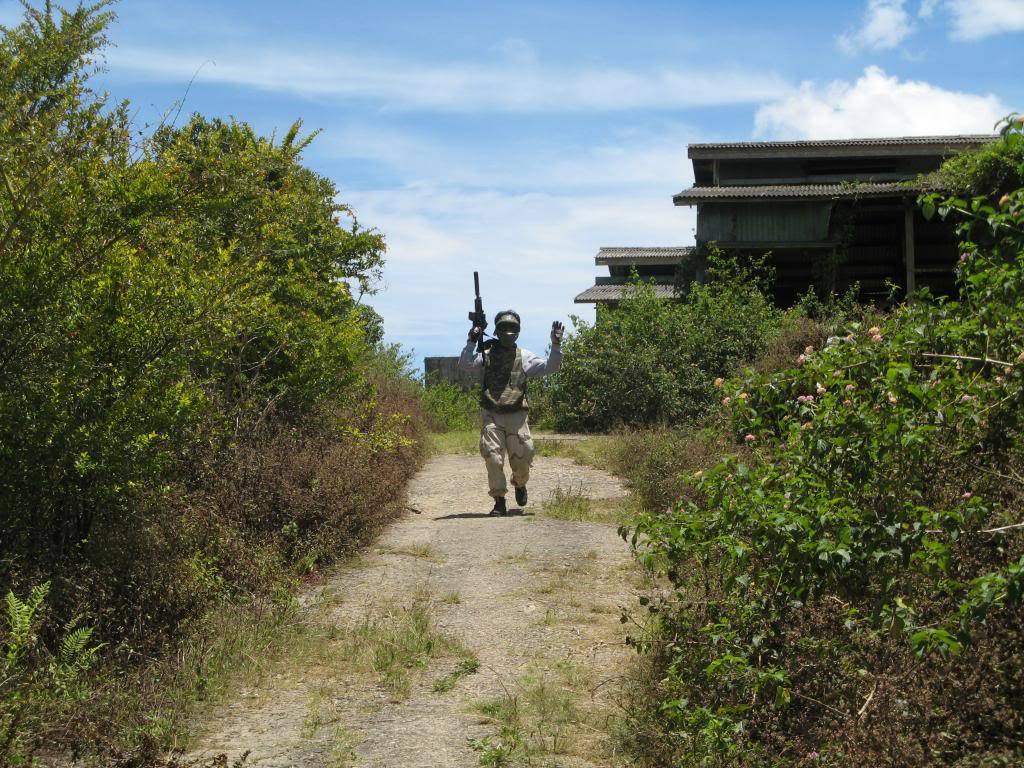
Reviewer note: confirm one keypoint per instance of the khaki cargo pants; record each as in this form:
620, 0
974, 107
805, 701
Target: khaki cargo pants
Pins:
503, 433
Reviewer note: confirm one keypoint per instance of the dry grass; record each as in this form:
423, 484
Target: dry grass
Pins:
548, 714
396, 640
570, 503
421, 551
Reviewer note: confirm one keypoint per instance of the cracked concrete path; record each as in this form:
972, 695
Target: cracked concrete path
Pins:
526, 594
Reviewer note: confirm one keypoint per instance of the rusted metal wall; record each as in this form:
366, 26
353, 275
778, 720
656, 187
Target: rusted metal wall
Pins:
763, 222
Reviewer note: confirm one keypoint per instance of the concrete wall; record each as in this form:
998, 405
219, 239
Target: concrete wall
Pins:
447, 369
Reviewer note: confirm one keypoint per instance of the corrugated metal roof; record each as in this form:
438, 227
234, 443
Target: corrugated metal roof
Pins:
867, 146
655, 256
601, 293
698, 194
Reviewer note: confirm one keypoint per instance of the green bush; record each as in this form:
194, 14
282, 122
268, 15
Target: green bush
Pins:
651, 362
450, 408
851, 590
992, 170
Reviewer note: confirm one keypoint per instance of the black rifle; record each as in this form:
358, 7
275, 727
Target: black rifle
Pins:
477, 316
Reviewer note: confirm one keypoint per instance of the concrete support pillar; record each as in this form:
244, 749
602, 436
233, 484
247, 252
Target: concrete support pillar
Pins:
908, 247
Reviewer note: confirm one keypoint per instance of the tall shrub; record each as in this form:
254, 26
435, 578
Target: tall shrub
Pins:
650, 361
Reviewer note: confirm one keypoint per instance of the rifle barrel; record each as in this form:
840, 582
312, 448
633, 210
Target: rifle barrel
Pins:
476, 283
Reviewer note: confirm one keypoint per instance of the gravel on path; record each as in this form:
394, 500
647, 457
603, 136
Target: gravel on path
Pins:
498, 574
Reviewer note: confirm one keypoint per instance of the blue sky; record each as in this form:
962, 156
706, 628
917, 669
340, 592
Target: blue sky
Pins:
516, 138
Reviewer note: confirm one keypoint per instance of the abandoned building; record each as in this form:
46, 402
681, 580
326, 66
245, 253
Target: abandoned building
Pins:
832, 214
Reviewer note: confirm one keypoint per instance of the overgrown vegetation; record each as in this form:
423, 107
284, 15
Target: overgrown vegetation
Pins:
662, 357
194, 409
450, 408
845, 586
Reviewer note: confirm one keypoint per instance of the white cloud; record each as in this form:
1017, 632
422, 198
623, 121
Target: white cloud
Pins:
515, 82
877, 105
886, 24
976, 19
648, 159
529, 221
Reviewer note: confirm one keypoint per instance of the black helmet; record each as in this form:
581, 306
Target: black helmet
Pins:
507, 317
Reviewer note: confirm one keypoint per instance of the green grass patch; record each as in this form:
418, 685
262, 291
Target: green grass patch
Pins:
465, 441
548, 714
466, 667
397, 641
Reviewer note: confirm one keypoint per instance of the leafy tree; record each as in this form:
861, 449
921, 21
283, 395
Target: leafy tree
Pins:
157, 296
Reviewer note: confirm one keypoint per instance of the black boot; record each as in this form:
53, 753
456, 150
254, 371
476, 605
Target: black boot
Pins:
499, 506
521, 495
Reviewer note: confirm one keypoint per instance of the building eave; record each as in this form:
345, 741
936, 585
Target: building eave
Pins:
799, 192
903, 146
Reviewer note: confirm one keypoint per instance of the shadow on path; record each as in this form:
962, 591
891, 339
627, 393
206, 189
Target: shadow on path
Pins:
468, 515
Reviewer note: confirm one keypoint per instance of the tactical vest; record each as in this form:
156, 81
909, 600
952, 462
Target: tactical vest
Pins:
504, 384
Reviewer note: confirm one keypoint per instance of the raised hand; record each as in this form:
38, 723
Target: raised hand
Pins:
557, 329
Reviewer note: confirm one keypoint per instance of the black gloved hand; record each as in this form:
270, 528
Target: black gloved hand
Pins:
475, 333
557, 329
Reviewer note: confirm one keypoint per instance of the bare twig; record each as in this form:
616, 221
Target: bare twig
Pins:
986, 360
829, 707
867, 702
1002, 528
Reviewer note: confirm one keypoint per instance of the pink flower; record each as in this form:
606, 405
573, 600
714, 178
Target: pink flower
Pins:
805, 399
726, 400
1000, 379
821, 390
874, 330
847, 403
966, 398
966, 495
749, 438
876, 338
850, 387
801, 359
963, 257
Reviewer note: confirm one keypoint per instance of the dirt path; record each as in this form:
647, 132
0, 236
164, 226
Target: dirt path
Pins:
511, 625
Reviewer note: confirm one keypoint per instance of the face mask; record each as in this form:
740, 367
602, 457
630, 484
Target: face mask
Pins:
507, 339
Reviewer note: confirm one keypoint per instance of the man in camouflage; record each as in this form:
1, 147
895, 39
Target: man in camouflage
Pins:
506, 369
